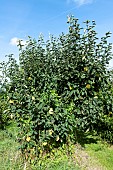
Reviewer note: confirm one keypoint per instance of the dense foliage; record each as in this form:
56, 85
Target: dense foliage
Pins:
60, 87
4, 116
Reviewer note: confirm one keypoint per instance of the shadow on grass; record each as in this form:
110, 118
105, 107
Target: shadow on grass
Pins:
86, 138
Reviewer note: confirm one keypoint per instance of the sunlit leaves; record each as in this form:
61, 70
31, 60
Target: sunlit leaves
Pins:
58, 87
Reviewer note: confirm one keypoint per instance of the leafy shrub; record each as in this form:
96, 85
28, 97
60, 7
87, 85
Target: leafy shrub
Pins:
54, 91
104, 125
3, 110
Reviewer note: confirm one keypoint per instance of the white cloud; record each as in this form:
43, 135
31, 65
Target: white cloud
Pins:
15, 41
80, 2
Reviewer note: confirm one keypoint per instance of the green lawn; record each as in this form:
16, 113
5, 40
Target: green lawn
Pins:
94, 154
9, 154
10, 158
101, 152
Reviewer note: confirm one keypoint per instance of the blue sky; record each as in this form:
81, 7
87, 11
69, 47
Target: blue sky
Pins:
22, 18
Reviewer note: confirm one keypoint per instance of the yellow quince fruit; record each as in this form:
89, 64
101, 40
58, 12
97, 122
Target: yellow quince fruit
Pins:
51, 111
33, 98
29, 78
28, 138
57, 138
88, 86
11, 101
44, 143
70, 88
85, 68
50, 132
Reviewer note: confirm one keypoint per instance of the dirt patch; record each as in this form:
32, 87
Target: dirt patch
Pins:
85, 161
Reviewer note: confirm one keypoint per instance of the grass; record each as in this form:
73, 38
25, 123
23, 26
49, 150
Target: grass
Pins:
92, 154
10, 158
102, 152
9, 154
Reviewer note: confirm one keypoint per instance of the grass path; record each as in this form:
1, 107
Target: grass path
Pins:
86, 161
